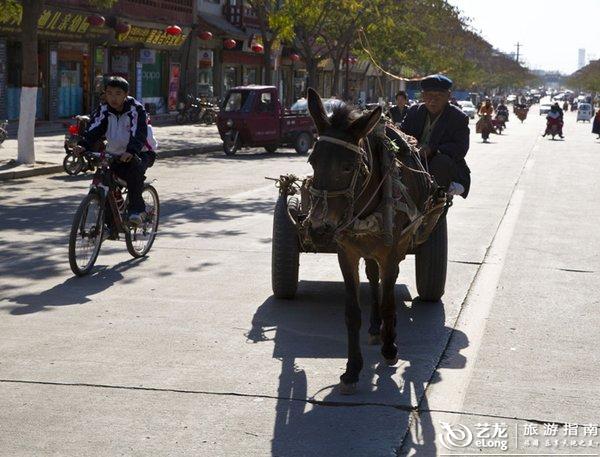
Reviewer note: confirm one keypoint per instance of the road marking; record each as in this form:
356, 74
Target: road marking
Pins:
450, 394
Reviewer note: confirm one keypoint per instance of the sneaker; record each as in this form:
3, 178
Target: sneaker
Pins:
455, 188
135, 219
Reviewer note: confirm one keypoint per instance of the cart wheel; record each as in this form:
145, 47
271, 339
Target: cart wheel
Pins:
231, 143
285, 252
303, 143
431, 259
271, 148
181, 118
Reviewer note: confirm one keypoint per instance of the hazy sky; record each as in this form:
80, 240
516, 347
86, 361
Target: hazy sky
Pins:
551, 31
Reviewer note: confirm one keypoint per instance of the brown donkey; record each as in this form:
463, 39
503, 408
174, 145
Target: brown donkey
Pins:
347, 187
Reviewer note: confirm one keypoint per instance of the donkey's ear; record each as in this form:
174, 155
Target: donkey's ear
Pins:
361, 127
317, 110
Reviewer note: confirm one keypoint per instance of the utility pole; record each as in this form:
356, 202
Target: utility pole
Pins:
519, 46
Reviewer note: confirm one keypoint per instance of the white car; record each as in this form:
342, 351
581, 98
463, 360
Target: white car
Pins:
545, 108
584, 112
468, 108
301, 105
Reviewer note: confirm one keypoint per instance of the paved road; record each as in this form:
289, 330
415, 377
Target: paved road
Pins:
186, 352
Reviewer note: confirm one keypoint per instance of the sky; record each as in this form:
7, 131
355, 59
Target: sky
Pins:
551, 31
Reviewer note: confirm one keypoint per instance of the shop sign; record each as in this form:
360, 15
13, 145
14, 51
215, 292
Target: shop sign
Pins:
52, 23
150, 36
148, 56
205, 57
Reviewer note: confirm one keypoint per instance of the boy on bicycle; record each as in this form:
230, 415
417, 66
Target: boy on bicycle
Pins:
122, 120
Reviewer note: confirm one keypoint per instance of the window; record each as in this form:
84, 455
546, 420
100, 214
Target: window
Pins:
238, 101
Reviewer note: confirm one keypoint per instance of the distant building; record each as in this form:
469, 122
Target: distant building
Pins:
581, 58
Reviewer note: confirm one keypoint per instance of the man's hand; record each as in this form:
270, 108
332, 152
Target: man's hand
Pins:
126, 157
78, 150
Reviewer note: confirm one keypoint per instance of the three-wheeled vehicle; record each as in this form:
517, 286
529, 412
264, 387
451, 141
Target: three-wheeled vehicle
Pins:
252, 116
584, 112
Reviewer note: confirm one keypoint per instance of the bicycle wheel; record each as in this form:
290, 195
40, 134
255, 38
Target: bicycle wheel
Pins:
139, 239
86, 235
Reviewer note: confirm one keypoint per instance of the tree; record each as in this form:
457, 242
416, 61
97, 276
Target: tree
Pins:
30, 12
586, 78
272, 24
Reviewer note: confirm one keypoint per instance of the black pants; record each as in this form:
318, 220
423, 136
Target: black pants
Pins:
443, 169
133, 173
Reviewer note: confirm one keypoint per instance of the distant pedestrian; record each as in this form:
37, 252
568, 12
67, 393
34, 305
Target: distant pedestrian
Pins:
596, 126
398, 112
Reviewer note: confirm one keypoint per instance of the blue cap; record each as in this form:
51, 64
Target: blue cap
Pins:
436, 82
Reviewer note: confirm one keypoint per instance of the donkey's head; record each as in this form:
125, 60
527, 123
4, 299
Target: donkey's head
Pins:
338, 165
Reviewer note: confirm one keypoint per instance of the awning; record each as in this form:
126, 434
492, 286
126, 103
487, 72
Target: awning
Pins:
221, 26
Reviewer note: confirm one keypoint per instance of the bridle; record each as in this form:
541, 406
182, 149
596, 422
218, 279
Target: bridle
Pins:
349, 192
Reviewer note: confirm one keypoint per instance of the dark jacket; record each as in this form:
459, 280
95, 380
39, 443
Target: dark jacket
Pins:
397, 114
450, 136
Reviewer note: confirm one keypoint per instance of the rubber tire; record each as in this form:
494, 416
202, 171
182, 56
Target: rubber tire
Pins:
303, 143
209, 118
431, 263
231, 150
128, 240
73, 235
75, 170
285, 250
3, 135
271, 148
181, 118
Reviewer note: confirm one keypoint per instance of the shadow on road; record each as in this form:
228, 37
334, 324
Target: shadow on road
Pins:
377, 416
73, 291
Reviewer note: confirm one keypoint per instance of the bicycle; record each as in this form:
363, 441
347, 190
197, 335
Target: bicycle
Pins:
101, 215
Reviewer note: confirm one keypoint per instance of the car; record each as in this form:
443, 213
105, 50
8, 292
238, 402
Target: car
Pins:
511, 98
468, 108
545, 108
301, 105
585, 112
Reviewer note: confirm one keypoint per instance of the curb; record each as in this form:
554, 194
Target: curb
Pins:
53, 169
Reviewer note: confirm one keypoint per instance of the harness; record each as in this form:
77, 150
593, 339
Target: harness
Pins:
408, 206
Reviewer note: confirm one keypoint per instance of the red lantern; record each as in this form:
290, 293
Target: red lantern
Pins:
295, 57
257, 47
229, 43
205, 35
95, 20
173, 30
122, 27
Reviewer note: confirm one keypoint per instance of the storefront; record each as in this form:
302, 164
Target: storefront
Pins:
151, 61
65, 41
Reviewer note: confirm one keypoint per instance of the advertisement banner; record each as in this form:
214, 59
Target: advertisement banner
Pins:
174, 72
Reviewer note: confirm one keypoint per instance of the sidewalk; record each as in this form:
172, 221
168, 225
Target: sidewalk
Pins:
173, 140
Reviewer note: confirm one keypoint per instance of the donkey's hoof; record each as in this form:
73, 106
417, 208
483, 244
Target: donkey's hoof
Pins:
374, 340
348, 389
391, 362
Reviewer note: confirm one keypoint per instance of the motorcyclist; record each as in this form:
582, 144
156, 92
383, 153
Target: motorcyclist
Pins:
122, 120
502, 110
554, 117
485, 122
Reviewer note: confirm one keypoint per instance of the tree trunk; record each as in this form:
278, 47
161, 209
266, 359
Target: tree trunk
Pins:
268, 71
335, 86
311, 67
32, 9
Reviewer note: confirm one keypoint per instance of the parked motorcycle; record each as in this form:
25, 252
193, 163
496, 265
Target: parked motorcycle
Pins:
196, 110
209, 112
3, 131
76, 164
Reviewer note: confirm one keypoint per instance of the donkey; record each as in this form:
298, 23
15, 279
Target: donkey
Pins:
346, 186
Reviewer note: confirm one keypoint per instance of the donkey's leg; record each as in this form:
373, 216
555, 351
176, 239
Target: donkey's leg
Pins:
375, 320
389, 274
349, 266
